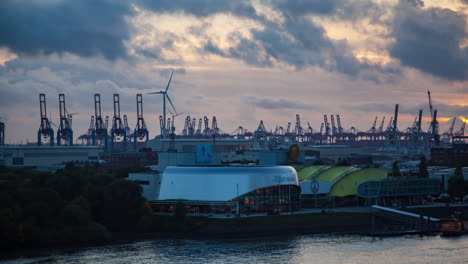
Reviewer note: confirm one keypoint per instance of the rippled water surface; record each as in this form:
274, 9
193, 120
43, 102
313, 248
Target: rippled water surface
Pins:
315, 249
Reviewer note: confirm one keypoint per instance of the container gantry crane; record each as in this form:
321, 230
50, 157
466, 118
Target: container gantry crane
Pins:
100, 127
64, 132
434, 127
214, 126
298, 130
140, 134
45, 131
206, 131
199, 129
118, 131
88, 136
449, 132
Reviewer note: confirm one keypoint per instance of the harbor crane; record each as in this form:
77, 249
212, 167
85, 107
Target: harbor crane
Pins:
64, 132
434, 127
449, 132
140, 134
45, 131
100, 126
118, 131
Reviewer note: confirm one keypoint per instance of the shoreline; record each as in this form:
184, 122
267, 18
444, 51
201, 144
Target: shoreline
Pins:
257, 227
234, 228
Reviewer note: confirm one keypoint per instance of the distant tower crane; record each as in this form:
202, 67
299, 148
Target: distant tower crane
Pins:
199, 129
298, 130
395, 120
449, 132
214, 126
64, 132
380, 131
327, 128
392, 134
161, 125
88, 136
340, 128
45, 130
260, 137
206, 131
118, 131
434, 128
461, 132
140, 134
100, 127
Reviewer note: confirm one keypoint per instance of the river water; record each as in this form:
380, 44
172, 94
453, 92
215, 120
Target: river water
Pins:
315, 249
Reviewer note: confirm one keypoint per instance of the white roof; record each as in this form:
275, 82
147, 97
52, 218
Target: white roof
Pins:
221, 183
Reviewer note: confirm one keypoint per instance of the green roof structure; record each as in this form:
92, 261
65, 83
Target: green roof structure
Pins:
333, 173
305, 173
348, 183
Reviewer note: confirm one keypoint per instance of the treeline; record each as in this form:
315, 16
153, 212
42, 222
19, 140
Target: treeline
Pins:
74, 205
457, 186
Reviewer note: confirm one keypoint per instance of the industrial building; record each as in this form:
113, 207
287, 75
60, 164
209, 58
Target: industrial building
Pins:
324, 186
455, 155
46, 156
213, 190
342, 180
398, 192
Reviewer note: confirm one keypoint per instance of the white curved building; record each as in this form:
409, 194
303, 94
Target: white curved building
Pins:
254, 189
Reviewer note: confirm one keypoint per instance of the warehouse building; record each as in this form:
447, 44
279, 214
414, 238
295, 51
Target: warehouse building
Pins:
47, 156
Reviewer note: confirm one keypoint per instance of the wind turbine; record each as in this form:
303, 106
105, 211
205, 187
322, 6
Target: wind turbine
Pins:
164, 103
172, 128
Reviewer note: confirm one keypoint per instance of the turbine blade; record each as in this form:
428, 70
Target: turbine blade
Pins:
172, 114
169, 82
156, 93
171, 103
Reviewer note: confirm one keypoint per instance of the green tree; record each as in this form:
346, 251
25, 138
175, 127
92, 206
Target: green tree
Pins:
395, 169
180, 210
456, 183
423, 173
123, 205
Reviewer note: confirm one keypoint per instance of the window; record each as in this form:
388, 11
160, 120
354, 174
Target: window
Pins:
142, 182
18, 161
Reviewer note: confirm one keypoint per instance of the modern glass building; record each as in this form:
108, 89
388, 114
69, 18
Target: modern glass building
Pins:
214, 190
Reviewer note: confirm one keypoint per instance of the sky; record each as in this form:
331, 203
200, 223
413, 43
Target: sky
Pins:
241, 61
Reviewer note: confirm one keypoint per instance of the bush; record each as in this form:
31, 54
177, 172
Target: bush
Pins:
180, 210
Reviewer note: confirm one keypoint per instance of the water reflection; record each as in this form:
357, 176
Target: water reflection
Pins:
315, 249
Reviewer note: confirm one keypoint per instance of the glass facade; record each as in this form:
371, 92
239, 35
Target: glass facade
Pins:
272, 200
280, 198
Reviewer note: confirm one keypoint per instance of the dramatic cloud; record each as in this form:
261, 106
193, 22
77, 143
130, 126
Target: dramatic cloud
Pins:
243, 61
443, 109
431, 40
302, 7
297, 42
201, 8
85, 28
268, 103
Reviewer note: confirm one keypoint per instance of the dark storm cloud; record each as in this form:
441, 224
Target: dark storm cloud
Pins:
302, 7
273, 104
85, 28
200, 8
429, 40
443, 110
297, 42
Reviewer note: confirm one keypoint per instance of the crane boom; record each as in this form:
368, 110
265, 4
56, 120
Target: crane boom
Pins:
431, 109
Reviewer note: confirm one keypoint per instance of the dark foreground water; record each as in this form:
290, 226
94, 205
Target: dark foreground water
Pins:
315, 249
